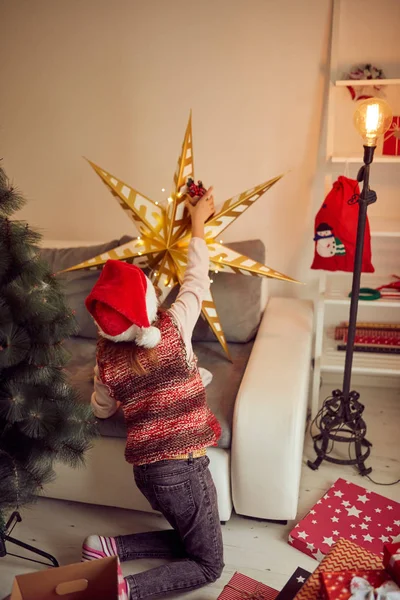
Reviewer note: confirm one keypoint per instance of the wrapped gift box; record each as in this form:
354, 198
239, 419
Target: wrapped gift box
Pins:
344, 584
344, 556
391, 139
391, 560
241, 586
294, 584
351, 512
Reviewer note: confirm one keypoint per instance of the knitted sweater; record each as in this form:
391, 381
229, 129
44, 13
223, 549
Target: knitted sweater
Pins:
165, 410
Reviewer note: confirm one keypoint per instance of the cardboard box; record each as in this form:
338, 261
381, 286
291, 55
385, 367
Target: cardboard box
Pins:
94, 580
347, 511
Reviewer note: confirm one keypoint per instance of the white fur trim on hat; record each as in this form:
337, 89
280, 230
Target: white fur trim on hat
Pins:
148, 337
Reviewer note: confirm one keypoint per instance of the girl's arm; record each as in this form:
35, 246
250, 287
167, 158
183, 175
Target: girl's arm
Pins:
187, 307
103, 405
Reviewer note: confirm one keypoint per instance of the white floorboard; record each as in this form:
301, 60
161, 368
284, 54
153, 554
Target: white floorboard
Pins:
255, 548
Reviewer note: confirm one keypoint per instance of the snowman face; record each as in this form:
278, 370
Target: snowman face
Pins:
327, 233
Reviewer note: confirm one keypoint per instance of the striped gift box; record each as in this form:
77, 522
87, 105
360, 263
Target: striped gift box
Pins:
241, 587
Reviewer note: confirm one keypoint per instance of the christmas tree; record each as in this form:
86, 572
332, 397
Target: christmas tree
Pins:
41, 417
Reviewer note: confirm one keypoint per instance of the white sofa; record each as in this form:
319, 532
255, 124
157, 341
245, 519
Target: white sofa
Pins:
259, 475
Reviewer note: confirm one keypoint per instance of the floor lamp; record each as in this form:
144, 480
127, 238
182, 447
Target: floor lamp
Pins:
340, 419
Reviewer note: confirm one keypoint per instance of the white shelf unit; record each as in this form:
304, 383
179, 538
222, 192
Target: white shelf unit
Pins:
332, 302
364, 82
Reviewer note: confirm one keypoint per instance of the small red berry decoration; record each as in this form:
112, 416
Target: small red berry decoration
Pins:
195, 190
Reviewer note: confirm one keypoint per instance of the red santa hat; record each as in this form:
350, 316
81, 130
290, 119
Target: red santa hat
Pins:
124, 304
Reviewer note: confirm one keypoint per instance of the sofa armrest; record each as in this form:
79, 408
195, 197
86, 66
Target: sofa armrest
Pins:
270, 413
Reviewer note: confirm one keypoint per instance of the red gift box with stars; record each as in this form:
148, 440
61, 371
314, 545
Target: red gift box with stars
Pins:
351, 512
358, 585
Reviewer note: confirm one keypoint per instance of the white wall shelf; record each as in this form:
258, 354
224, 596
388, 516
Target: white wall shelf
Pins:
364, 82
364, 363
358, 159
338, 298
343, 146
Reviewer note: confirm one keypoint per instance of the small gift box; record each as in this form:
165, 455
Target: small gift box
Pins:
241, 587
358, 585
391, 139
344, 555
391, 560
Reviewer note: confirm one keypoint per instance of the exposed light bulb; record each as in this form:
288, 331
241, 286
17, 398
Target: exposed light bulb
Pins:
140, 253
221, 242
216, 271
170, 200
211, 280
156, 203
372, 118
138, 237
163, 189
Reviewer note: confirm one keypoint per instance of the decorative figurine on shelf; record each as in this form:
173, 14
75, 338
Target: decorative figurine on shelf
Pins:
361, 72
195, 190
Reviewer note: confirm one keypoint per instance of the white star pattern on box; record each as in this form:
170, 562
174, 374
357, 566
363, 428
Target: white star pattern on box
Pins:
328, 541
319, 555
363, 499
326, 497
353, 512
303, 535
290, 539
300, 579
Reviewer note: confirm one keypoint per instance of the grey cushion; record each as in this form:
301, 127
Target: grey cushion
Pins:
77, 285
237, 298
221, 393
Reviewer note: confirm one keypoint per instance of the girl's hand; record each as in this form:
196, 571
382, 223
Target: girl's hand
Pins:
201, 212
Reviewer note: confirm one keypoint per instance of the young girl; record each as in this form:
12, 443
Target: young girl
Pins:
145, 363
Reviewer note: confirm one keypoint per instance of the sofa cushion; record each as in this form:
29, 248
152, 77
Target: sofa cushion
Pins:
237, 297
221, 393
78, 284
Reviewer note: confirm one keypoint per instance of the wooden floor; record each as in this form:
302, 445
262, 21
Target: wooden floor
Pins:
255, 548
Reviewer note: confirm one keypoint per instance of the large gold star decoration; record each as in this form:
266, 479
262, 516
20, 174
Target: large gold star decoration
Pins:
162, 246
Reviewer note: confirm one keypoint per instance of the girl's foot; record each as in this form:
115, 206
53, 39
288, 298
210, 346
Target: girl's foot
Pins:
98, 546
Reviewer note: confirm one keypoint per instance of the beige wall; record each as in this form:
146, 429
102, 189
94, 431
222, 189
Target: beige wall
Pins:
114, 80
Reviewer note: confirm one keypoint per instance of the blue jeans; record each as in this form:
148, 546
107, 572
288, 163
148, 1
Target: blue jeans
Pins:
184, 492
